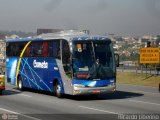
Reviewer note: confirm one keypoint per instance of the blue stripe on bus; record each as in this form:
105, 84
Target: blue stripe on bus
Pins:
94, 83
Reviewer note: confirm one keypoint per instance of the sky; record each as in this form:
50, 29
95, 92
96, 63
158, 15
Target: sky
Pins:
120, 17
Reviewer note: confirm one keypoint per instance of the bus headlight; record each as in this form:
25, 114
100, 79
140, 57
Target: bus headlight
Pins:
112, 84
78, 86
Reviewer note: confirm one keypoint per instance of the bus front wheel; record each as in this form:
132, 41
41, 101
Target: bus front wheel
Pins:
0, 92
58, 90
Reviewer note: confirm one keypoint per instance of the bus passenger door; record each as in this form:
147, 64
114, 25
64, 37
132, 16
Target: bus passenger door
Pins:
67, 70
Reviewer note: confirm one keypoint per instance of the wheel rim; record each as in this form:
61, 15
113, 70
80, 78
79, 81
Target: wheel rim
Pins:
20, 84
58, 89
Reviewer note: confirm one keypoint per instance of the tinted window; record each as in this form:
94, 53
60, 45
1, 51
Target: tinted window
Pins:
65, 52
56, 49
36, 49
27, 52
15, 49
66, 58
45, 47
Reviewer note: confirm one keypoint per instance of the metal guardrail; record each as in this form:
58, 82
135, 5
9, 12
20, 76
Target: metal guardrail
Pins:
140, 69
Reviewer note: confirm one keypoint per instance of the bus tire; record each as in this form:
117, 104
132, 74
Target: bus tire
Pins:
1, 92
58, 90
20, 85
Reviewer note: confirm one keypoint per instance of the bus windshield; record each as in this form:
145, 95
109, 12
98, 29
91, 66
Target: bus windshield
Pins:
93, 60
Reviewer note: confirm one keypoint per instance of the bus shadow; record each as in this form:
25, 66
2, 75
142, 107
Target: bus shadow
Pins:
10, 92
110, 96
37, 91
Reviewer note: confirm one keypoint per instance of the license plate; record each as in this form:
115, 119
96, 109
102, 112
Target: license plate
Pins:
96, 91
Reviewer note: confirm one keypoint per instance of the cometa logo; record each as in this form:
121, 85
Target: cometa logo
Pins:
40, 64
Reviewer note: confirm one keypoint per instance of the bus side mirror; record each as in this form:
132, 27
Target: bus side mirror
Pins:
116, 59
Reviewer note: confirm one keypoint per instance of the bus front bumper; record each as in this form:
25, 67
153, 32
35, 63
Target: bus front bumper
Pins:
77, 90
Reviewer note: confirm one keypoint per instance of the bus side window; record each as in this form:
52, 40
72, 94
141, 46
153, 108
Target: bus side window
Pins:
66, 56
56, 49
15, 49
45, 49
37, 48
66, 53
27, 52
21, 47
8, 50
66, 59
58, 54
50, 49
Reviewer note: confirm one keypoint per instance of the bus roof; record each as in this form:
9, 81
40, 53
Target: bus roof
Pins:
67, 35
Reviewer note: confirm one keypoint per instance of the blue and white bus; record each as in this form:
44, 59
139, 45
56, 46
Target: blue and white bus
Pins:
67, 62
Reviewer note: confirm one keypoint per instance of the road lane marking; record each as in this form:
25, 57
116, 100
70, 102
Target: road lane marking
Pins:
145, 92
98, 110
33, 118
144, 102
25, 95
8, 111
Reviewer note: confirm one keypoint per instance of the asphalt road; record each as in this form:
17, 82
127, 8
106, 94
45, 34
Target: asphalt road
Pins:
34, 105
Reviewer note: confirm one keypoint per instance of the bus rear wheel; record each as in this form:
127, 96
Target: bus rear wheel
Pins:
1, 92
20, 85
58, 90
